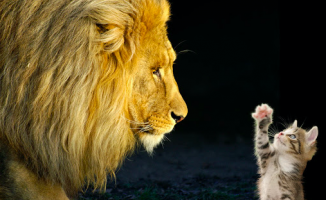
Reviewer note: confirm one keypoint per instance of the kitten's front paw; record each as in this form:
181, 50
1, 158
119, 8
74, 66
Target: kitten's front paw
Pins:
262, 111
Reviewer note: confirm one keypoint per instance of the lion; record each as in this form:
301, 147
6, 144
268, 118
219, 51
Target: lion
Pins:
82, 84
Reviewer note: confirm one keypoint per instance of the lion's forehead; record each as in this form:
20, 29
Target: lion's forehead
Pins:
167, 57
162, 56
171, 53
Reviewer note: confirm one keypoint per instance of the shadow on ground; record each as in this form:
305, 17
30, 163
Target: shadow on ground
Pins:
187, 166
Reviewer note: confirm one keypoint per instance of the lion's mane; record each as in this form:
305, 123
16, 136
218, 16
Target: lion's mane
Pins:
66, 72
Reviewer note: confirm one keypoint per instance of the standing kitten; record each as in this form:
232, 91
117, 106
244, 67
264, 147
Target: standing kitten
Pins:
281, 163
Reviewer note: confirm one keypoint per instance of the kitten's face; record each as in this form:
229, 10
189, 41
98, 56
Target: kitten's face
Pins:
290, 140
296, 141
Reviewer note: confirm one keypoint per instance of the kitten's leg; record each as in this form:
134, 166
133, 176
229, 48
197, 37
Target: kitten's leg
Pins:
263, 149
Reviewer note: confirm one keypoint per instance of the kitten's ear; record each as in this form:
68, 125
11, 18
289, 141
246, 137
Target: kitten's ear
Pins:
312, 135
295, 124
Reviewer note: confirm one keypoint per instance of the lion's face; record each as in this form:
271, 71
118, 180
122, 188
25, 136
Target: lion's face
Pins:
156, 104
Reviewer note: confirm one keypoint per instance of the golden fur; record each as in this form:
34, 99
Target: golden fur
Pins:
79, 86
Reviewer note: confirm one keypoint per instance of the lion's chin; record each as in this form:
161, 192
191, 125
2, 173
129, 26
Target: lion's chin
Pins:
150, 141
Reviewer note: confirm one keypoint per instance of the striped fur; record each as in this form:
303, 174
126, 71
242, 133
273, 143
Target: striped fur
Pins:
281, 163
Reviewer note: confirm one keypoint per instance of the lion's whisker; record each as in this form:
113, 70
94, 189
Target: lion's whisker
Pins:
146, 128
135, 122
185, 51
178, 44
166, 138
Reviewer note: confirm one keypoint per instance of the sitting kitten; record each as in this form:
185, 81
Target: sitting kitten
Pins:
281, 163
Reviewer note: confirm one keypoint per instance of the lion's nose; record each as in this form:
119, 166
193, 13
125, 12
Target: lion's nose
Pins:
176, 117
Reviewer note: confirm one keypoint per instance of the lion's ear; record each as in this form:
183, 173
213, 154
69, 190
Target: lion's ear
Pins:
102, 28
111, 36
112, 22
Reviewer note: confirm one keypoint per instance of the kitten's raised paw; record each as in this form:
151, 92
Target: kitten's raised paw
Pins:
262, 111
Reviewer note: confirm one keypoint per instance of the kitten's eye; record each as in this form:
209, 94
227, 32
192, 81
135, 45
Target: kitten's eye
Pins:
292, 137
157, 73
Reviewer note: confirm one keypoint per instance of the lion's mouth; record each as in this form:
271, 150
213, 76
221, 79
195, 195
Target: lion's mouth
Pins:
154, 125
147, 129
152, 132
156, 129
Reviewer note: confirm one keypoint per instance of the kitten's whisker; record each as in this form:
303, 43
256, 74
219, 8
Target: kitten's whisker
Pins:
303, 122
273, 130
283, 123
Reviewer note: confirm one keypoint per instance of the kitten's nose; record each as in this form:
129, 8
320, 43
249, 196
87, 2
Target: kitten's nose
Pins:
281, 133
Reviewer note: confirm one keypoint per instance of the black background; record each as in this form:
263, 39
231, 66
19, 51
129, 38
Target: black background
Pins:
234, 55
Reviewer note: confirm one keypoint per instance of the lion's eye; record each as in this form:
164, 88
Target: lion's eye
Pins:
292, 137
157, 73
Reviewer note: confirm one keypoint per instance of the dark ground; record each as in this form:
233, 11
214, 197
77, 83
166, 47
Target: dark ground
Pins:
187, 166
